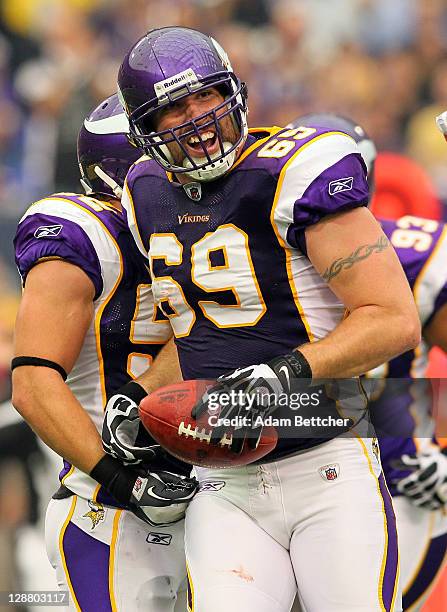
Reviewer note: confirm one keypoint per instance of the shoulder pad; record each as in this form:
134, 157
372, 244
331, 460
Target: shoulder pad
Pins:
66, 227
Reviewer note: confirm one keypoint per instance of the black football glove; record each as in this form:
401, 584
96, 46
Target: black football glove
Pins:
426, 486
258, 387
157, 497
121, 426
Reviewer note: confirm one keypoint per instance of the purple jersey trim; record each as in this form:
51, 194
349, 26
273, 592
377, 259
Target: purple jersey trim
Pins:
67, 467
65, 240
338, 189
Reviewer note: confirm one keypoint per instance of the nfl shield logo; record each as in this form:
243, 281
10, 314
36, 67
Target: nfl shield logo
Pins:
193, 191
329, 472
139, 487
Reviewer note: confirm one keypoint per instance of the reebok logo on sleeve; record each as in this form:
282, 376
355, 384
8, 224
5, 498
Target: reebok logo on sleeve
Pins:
48, 231
343, 184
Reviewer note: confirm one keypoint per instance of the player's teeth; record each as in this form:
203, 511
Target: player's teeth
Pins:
205, 136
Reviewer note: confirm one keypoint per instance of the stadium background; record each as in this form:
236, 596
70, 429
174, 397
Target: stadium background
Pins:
383, 62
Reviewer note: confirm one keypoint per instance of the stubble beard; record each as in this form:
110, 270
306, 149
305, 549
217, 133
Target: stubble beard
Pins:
228, 132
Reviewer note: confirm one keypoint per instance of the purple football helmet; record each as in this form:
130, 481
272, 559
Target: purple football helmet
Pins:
338, 123
104, 151
166, 65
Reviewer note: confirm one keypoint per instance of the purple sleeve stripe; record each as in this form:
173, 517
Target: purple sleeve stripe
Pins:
296, 237
340, 188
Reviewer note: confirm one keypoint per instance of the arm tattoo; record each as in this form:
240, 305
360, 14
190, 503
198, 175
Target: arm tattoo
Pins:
362, 252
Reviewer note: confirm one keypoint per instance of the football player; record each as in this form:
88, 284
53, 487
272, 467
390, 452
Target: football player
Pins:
87, 316
414, 465
257, 242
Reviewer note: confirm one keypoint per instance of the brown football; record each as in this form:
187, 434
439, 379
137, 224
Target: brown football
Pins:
166, 414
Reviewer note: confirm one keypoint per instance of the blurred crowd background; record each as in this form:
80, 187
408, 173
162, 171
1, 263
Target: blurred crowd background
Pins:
382, 62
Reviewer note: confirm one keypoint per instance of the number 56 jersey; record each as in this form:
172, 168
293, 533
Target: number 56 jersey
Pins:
227, 257
127, 330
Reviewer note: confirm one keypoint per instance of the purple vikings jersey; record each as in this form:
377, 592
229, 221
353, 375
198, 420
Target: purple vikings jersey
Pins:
229, 262
127, 330
401, 414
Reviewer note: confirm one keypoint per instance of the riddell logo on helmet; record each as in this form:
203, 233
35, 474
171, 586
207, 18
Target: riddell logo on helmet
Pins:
174, 81
187, 76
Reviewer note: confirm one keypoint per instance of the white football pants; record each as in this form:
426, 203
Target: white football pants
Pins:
320, 521
109, 560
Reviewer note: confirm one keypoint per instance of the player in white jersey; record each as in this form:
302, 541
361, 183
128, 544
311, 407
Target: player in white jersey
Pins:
114, 532
255, 240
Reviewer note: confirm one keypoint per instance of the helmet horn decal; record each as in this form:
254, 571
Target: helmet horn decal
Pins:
104, 151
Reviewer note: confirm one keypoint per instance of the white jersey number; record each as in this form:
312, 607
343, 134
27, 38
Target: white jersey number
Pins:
146, 328
407, 237
220, 261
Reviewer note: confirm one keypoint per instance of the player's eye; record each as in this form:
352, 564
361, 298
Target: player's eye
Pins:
174, 106
169, 112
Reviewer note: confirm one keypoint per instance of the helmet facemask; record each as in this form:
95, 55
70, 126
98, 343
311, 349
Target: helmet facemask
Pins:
206, 167
111, 172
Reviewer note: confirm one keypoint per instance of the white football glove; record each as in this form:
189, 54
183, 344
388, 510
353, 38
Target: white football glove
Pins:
264, 384
121, 426
426, 486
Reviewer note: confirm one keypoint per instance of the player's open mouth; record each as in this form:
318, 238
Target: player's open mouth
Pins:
207, 140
